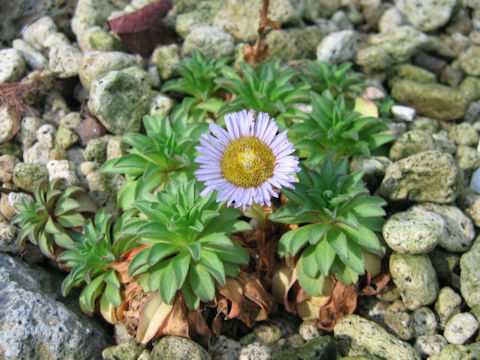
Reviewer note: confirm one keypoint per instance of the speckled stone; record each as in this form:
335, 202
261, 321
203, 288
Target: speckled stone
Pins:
460, 327
447, 304
424, 322
358, 336
428, 345
415, 277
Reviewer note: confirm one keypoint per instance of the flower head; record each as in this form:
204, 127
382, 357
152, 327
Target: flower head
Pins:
247, 160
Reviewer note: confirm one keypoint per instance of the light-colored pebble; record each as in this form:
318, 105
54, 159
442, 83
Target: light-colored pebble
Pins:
62, 169
460, 328
12, 65
424, 322
428, 345
403, 113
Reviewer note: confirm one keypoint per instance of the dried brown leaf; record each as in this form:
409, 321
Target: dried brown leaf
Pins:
343, 301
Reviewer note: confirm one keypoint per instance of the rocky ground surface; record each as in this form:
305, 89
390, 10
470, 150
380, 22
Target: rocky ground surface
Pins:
425, 54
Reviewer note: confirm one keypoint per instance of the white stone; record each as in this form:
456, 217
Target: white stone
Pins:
403, 113
9, 125
337, 47
64, 60
12, 65
38, 153
46, 134
428, 345
391, 19
34, 58
427, 15
460, 328
37, 32
62, 169
161, 105
211, 41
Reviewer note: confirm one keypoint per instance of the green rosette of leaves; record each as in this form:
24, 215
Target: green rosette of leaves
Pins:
339, 79
333, 127
167, 149
189, 247
268, 88
90, 258
48, 219
197, 81
339, 225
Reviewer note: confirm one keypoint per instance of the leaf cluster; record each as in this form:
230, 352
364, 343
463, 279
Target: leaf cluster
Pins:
166, 149
333, 127
268, 88
339, 223
89, 257
48, 219
188, 244
338, 79
197, 81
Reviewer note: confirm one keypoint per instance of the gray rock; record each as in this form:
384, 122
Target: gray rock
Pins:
374, 167
90, 13
445, 265
166, 58
65, 137
337, 47
129, 350
427, 15
64, 60
100, 39
225, 348
341, 20
464, 134
475, 181
25, 176
429, 345
55, 107
467, 158
34, 58
46, 134
447, 304
37, 32
403, 113
432, 100
470, 61
391, 19
470, 276
71, 120
413, 232
373, 58
317, 9
267, 333
470, 88
38, 153
116, 147
9, 124
320, 348
459, 232
254, 351
12, 65
460, 327
178, 348
119, 99
425, 123
240, 18
412, 142
28, 127
95, 64
424, 322
161, 105
358, 336
62, 169
294, 44
411, 72
38, 325
443, 142
459, 352
96, 150
308, 330
8, 238
415, 277
400, 42
428, 176
400, 322
211, 41
203, 15
7, 164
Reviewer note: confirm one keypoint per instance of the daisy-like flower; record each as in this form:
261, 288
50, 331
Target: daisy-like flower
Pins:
246, 161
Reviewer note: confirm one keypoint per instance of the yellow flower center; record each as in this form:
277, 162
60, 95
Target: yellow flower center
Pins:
248, 162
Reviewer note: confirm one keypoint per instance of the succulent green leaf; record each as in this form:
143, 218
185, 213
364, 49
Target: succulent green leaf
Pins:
191, 299
355, 258
160, 251
325, 255
90, 293
365, 238
138, 262
113, 294
344, 273
201, 282
168, 284
309, 262
214, 265
180, 266
70, 220
317, 232
313, 286
338, 241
